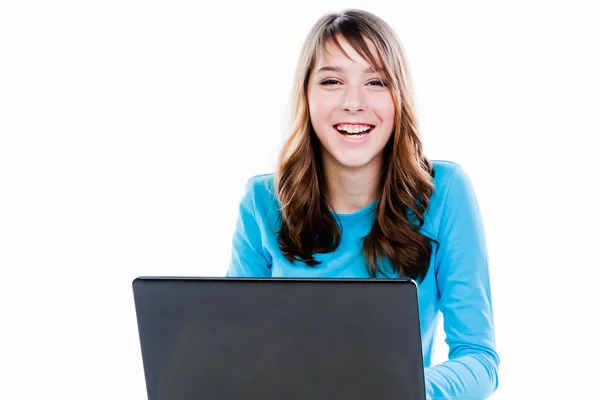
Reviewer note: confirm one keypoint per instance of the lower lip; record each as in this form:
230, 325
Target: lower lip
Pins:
355, 139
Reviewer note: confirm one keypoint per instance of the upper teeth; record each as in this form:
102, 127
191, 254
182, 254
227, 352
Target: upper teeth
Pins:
353, 128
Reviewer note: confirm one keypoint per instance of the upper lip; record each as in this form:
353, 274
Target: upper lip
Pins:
353, 123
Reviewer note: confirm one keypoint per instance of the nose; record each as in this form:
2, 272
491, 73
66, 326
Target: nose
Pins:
354, 100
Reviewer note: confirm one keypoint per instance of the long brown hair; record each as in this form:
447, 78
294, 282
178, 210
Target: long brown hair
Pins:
307, 225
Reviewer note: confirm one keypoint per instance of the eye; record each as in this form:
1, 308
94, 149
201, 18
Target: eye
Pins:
329, 82
377, 82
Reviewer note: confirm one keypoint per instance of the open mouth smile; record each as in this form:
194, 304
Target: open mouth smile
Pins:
354, 132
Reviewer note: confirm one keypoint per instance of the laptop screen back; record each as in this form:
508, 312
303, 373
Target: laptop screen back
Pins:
236, 338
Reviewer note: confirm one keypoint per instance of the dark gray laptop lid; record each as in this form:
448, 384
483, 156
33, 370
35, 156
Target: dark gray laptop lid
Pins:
274, 339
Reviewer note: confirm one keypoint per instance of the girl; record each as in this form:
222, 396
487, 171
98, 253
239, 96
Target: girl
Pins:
354, 196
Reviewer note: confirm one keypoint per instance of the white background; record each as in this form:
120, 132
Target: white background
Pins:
128, 129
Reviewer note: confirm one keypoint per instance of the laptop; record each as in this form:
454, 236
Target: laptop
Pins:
279, 338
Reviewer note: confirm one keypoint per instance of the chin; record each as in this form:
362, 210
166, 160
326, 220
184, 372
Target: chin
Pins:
342, 158
352, 163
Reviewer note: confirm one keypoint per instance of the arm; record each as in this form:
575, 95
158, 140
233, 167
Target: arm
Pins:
462, 277
248, 258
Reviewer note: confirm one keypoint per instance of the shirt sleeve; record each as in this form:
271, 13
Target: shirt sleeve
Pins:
462, 276
248, 257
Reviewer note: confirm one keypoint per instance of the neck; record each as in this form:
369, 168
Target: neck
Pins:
351, 189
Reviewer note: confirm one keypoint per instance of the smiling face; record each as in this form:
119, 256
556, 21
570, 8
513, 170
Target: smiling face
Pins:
351, 109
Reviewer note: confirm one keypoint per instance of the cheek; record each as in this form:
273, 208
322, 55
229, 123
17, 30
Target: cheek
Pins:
316, 114
313, 105
321, 107
386, 110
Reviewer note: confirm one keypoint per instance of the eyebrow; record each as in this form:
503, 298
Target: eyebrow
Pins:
369, 70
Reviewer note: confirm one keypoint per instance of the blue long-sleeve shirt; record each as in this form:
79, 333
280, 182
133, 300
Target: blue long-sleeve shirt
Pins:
457, 283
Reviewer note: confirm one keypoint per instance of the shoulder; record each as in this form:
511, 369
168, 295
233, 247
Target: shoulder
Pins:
260, 187
453, 193
448, 176
445, 171
259, 195
262, 180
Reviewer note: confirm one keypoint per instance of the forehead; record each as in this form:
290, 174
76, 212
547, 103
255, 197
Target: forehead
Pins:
330, 54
